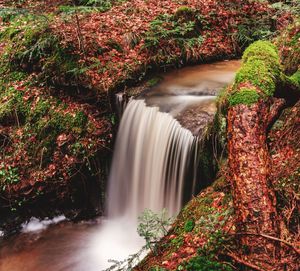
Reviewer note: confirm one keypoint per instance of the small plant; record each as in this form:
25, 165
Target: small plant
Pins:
185, 12
8, 175
152, 227
128, 264
189, 225
258, 26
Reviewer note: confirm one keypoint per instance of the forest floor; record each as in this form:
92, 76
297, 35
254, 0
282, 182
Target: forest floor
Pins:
61, 66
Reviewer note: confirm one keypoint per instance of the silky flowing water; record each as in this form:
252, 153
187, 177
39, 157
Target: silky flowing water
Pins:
154, 159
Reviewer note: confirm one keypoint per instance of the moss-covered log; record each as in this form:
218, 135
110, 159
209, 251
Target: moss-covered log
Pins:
251, 109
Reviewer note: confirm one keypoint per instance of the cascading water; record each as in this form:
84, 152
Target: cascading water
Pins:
152, 154
120, 103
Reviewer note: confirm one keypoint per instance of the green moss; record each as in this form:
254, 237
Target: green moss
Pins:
54, 122
78, 149
46, 124
105, 4
177, 242
157, 268
40, 110
7, 14
43, 119
261, 69
220, 184
244, 96
258, 73
263, 49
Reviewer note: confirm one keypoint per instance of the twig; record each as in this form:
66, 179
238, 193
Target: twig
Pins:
229, 264
271, 238
241, 261
78, 30
293, 207
17, 118
42, 155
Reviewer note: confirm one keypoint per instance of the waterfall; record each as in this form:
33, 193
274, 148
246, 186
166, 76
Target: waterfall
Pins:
155, 158
120, 103
151, 158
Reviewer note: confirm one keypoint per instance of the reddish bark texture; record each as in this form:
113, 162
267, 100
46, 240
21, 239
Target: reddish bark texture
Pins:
249, 164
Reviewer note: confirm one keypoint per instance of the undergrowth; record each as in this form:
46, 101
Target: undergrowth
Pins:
31, 47
169, 34
289, 49
42, 120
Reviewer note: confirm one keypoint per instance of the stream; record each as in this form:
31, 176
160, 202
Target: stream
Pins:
154, 165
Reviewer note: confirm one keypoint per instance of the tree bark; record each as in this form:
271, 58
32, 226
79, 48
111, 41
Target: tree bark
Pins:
249, 165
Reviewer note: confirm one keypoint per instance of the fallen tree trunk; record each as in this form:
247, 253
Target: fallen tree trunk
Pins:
251, 110
249, 162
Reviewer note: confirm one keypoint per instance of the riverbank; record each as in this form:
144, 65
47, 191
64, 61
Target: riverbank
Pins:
60, 69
